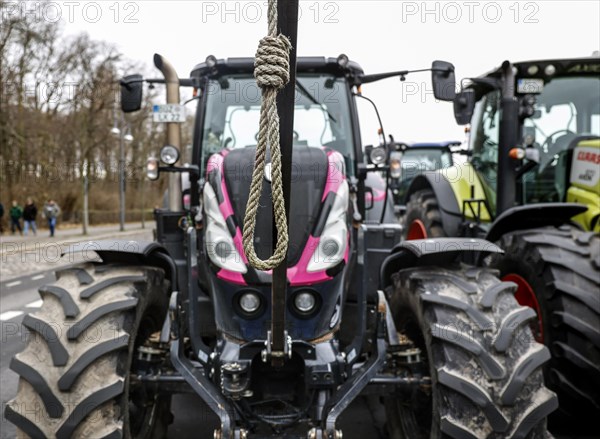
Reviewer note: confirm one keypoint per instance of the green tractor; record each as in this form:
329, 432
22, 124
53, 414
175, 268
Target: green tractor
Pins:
532, 185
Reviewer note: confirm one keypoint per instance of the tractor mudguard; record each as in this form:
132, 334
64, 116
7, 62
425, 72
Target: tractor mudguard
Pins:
449, 208
533, 216
438, 252
127, 252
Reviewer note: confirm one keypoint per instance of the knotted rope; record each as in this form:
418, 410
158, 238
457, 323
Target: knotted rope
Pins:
272, 73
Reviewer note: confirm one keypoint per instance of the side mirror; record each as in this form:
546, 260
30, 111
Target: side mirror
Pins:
444, 83
464, 104
131, 93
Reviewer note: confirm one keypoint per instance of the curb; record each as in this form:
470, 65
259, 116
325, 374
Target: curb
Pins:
60, 245
68, 240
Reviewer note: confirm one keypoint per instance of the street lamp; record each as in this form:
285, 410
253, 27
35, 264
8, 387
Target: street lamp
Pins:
117, 133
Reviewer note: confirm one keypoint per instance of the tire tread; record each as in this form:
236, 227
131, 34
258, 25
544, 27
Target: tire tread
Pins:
487, 392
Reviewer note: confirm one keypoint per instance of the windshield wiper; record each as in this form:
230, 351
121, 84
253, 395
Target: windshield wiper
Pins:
311, 98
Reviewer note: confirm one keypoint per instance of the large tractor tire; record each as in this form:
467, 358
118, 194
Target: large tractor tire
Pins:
557, 272
423, 218
478, 349
74, 379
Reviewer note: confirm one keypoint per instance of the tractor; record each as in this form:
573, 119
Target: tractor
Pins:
442, 349
531, 184
409, 160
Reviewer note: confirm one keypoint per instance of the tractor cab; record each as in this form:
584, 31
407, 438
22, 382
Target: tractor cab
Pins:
324, 164
230, 108
555, 143
409, 160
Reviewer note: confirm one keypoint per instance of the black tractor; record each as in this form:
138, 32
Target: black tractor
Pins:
434, 344
409, 160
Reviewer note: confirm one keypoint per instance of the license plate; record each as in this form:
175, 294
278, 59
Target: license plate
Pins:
530, 86
168, 113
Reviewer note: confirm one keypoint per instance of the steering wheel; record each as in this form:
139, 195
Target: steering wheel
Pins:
552, 145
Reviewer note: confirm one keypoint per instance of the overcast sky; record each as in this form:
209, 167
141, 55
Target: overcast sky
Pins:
381, 35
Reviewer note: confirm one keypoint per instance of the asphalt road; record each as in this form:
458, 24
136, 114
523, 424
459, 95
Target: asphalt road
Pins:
18, 296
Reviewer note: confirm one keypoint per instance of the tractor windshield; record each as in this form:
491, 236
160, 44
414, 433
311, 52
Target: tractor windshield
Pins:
419, 160
321, 118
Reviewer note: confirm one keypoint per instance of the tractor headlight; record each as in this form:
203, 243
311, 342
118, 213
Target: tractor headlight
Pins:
395, 165
223, 249
152, 169
305, 302
219, 243
330, 247
378, 155
249, 302
169, 154
211, 61
334, 240
343, 60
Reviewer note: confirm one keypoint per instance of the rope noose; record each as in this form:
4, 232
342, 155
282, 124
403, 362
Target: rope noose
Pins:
272, 73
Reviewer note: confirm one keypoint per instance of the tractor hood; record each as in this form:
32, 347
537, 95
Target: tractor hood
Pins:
318, 215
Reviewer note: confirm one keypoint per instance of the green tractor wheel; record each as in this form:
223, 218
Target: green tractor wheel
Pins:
557, 272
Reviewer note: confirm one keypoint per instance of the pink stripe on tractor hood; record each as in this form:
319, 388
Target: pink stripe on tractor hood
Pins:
230, 276
298, 274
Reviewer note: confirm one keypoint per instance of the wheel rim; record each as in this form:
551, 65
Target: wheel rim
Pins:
416, 230
526, 297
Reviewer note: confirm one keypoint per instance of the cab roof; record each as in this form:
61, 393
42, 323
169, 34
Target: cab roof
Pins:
564, 67
305, 64
588, 66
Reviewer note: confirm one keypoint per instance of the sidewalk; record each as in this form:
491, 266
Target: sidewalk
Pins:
31, 254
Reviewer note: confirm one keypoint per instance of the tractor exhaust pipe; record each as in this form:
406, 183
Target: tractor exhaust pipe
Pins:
173, 129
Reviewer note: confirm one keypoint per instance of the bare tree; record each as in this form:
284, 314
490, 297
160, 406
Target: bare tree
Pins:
57, 97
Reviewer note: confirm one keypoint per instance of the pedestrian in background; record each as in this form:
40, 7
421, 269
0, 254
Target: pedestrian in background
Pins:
1, 218
29, 216
16, 212
51, 212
